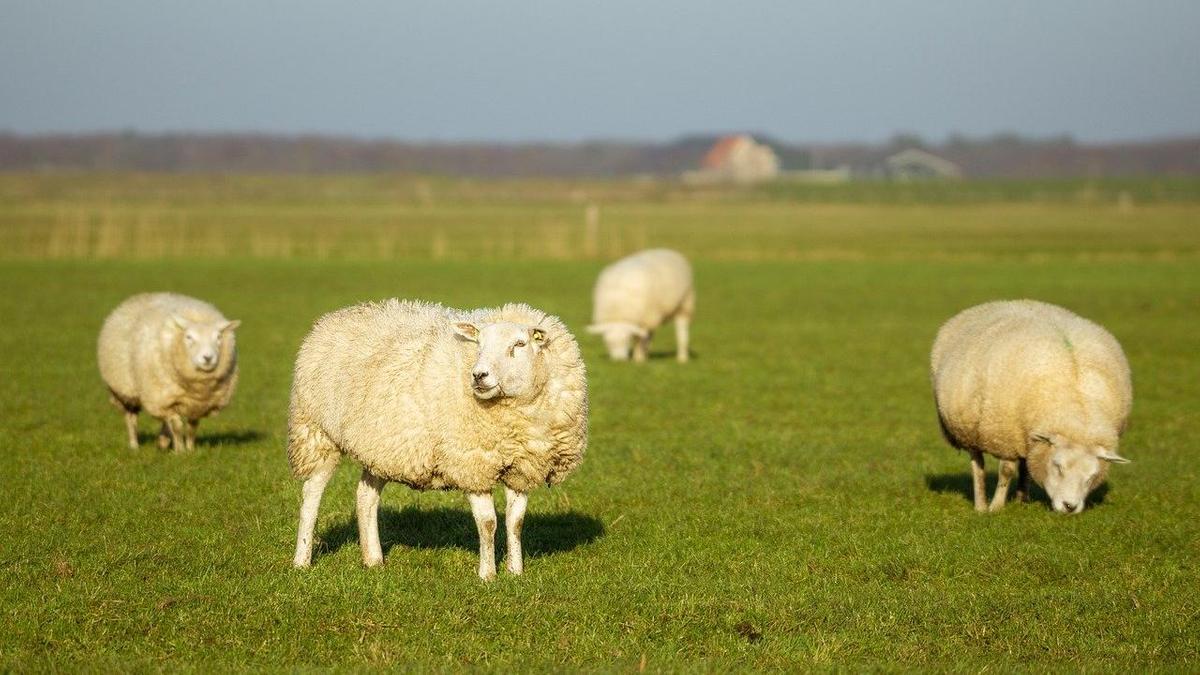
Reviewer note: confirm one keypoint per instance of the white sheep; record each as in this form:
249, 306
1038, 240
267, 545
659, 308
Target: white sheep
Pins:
174, 357
1042, 389
637, 294
437, 398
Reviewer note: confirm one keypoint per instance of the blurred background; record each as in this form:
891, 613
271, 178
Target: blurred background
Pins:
121, 123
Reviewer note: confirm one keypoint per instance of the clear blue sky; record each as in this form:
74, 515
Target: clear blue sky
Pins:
572, 69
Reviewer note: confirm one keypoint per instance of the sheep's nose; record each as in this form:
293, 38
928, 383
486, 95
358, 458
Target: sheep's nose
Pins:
479, 375
1068, 506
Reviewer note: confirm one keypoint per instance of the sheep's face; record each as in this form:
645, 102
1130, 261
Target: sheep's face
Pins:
1073, 471
618, 337
510, 362
202, 341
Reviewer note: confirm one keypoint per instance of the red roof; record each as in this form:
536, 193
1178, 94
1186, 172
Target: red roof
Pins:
719, 152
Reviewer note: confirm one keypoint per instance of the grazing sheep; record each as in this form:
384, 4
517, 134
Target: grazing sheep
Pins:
174, 357
637, 294
1045, 391
437, 398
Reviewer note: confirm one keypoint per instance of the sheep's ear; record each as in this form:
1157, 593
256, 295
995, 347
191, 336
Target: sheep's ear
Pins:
180, 321
538, 336
231, 325
1111, 457
1038, 437
467, 331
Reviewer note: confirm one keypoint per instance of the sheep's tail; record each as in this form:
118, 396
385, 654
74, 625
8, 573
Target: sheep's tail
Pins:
309, 448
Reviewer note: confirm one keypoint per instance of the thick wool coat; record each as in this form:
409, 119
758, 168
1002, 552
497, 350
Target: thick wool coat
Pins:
144, 362
1006, 372
645, 289
389, 384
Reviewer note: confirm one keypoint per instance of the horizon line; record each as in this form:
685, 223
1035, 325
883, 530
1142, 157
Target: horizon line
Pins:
601, 140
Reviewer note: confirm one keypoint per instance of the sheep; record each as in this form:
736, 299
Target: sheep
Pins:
1043, 390
174, 357
437, 398
637, 294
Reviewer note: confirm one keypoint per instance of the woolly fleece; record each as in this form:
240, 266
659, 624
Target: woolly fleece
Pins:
389, 383
144, 363
1005, 371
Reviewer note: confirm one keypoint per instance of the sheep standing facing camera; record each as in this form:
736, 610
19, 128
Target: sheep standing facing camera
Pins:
437, 398
637, 294
174, 357
1045, 391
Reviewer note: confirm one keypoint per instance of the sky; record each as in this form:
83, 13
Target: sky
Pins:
570, 70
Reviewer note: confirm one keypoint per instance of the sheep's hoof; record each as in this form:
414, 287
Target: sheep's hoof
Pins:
163, 442
373, 562
489, 575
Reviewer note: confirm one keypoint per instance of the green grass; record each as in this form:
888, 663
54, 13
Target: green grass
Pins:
784, 501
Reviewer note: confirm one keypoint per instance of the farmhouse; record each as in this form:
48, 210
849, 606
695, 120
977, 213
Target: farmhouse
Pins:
736, 159
917, 164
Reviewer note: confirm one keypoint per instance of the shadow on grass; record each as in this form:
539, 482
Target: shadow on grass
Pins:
229, 437
662, 355
961, 483
220, 438
670, 354
411, 527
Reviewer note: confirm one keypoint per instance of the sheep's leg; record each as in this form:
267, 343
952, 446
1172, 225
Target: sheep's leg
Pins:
164, 436
682, 323
641, 348
514, 518
313, 488
189, 434
1008, 469
130, 413
484, 510
369, 488
177, 427
977, 478
1022, 481
131, 428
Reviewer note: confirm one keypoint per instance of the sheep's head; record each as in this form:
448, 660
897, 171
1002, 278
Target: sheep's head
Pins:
511, 360
1072, 470
618, 337
202, 341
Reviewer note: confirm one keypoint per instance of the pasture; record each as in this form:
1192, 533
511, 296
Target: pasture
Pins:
784, 501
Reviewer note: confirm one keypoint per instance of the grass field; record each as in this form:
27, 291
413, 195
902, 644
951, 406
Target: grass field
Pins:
785, 501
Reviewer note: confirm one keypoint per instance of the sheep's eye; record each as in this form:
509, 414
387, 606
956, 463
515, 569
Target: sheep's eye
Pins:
189, 338
520, 343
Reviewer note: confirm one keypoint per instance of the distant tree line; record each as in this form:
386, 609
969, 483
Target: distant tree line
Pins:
1004, 155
